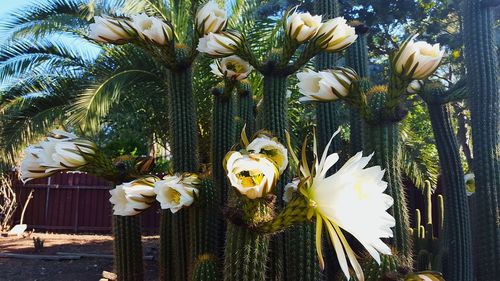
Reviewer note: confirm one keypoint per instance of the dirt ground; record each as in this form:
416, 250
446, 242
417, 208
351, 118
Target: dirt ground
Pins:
84, 269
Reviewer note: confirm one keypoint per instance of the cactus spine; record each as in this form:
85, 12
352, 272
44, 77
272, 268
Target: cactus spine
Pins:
482, 68
127, 245
382, 138
357, 59
184, 143
458, 240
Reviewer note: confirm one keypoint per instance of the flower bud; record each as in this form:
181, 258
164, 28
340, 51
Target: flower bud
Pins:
219, 44
211, 18
336, 35
417, 60
109, 30
302, 26
152, 29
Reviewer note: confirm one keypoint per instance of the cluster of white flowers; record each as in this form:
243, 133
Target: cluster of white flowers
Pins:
256, 172
172, 192
60, 151
118, 31
332, 36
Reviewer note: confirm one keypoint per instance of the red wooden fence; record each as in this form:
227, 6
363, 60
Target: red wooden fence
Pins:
79, 203
72, 202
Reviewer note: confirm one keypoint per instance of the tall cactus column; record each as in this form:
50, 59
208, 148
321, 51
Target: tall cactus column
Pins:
357, 59
482, 69
246, 110
382, 138
127, 246
457, 227
175, 257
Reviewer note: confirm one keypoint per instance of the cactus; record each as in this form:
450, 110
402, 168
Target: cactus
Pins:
246, 251
428, 247
127, 246
205, 221
382, 137
205, 268
223, 138
357, 59
458, 240
185, 159
482, 68
246, 109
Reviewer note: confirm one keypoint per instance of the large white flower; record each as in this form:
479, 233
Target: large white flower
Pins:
219, 44
253, 175
152, 28
177, 191
325, 85
272, 149
211, 18
302, 26
31, 167
290, 189
336, 35
417, 60
131, 198
352, 200
109, 30
232, 67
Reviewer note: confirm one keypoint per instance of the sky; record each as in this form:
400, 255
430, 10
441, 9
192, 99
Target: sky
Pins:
7, 6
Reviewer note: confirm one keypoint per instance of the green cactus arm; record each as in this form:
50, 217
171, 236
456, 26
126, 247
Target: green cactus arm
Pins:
184, 145
482, 81
127, 248
457, 235
382, 137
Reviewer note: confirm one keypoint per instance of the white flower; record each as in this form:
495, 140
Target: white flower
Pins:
290, 189
336, 35
414, 86
131, 198
211, 18
231, 67
302, 26
109, 30
420, 57
272, 149
325, 85
63, 150
253, 175
353, 200
152, 28
219, 44
470, 184
31, 167
177, 191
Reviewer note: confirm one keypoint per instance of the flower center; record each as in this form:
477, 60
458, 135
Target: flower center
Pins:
234, 66
250, 178
174, 196
146, 24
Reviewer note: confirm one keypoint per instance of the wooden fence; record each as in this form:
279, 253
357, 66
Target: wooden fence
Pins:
72, 202
79, 203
